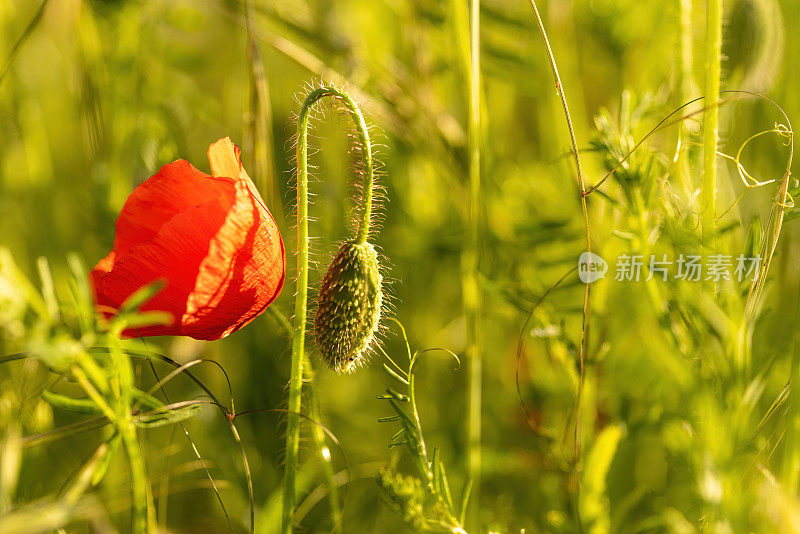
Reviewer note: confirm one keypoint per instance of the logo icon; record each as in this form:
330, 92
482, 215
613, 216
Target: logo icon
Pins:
591, 267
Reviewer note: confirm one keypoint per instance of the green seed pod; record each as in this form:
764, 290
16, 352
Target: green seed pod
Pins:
349, 307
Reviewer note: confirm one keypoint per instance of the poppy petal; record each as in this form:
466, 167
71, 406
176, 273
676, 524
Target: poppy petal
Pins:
96, 278
174, 253
223, 155
211, 238
241, 275
176, 187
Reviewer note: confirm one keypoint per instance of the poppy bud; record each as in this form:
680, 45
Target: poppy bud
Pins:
209, 237
349, 306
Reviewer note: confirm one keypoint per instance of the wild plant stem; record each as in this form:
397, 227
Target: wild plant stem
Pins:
124, 420
422, 450
585, 212
320, 440
711, 116
472, 297
301, 298
687, 60
790, 476
12, 55
138, 476
685, 85
298, 346
790, 468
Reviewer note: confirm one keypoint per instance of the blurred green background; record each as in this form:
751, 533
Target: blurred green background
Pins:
102, 93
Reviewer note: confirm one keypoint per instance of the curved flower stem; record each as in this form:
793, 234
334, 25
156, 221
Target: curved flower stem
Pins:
301, 298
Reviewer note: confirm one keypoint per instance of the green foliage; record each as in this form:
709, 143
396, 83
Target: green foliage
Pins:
64, 335
406, 495
424, 501
689, 419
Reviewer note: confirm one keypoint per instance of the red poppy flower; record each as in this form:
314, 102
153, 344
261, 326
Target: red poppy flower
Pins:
211, 238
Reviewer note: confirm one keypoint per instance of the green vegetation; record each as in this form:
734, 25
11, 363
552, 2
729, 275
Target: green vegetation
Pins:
507, 138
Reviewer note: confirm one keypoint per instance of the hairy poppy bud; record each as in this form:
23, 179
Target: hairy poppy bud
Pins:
349, 306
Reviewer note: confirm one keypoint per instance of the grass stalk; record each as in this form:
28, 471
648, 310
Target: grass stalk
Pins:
298, 344
685, 90
260, 127
471, 291
301, 296
585, 212
711, 116
127, 430
138, 475
12, 55
686, 79
790, 468
123, 420
791, 464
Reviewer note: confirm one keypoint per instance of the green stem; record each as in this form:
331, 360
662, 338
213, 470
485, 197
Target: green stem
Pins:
685, 90
138, 476
586, 294
791, 462
711, 116
686, 80
790, 468
320, 440
472, 297
301, 299
124, 420
422, 450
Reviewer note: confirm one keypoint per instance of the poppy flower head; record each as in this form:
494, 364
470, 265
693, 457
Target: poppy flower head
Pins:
349, 307
212, 240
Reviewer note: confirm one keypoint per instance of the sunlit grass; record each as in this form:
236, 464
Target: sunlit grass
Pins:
659, 405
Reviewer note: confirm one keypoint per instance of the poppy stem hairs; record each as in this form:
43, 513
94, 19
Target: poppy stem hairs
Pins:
363, 274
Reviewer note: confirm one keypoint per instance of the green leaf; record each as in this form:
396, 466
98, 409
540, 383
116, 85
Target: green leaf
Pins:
57, 352
465, 495
148, 401
435, 467
148, 318
83, 405
81, 292
142, 295
754, 237
48, 288
167, 416
444, 484
389, 371
402, 413
105, 461
791, 214
593, 500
